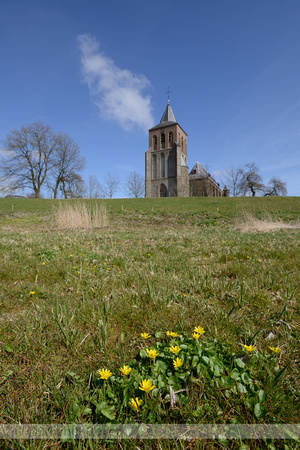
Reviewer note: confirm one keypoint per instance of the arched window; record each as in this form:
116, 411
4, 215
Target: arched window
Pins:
162, 140
154, 142
154, 167
181, 143
163, 191
162, 166
171, 139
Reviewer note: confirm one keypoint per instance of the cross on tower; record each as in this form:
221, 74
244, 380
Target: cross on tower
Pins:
168, 92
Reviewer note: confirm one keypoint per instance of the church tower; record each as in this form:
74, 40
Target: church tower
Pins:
167, 172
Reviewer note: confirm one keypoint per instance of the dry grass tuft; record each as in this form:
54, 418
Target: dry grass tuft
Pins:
81, 215
253, 224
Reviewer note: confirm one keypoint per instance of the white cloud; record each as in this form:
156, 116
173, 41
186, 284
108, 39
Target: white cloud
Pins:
118, 93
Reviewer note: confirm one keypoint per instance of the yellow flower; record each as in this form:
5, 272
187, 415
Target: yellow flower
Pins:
172, 334
135, 403
196, 335
175, 349
199, 330
125, 370
177, 363
104, 373
43, 263
275, 349
32, 292
145, 335
152, 353
146, 385
249, 348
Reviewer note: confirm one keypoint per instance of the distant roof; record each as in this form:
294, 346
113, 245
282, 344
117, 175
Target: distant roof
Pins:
198, 171
168, 117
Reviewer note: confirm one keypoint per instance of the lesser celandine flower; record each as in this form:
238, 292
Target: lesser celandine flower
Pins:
125, 370
177, 363
146, 385
199, 330
135, 403
32, 292
175, 349
172, 334
275, 349
249, 348
152, 353
104, 373
196, 336
145, 335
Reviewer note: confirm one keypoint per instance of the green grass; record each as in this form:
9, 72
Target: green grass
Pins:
161, 264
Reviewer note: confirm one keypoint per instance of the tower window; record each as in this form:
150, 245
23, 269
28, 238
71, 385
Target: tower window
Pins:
162, 141
155, 142
170, 138
162, 166
154, 167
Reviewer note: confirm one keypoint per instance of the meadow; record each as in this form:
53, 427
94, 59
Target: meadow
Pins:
196, 300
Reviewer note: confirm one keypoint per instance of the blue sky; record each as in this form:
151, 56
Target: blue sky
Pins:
99, 71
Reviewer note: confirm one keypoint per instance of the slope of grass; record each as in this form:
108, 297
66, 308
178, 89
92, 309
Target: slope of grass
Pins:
74, 302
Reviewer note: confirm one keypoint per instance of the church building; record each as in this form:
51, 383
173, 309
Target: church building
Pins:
166, 164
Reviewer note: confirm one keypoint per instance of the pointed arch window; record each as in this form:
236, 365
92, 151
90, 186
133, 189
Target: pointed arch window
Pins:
154, 142
154, 167
162, 166
163, 191
162, 140
170, 138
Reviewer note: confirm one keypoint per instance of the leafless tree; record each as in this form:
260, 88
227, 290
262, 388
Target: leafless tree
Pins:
28, 155
276, 187
251, 181
134, 185
75, 188
67, 165
36, 155
94, 187
111, 185
232, 177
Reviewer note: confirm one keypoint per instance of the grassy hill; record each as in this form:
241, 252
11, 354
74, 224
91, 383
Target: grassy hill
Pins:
75, 301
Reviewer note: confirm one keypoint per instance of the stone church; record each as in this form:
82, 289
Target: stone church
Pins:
167, 172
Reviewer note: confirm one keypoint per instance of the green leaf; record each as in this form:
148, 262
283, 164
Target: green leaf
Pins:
8, 348
195, 361
262, 396
239, 363
235, 374
227, 382
159, 334
109, 413
205, 359
245, 378
242, 388
217, 371
259, 411
143, 354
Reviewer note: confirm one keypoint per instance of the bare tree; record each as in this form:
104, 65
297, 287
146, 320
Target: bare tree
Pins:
67, 165
134, 185
232, 177
94, 187
251, 181
28, 157
111, 185
276, 187
75, 188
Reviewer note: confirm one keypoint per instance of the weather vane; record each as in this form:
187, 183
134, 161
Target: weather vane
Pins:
168, 92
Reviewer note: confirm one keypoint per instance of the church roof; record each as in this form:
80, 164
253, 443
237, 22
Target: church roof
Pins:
198, 171
168, 117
